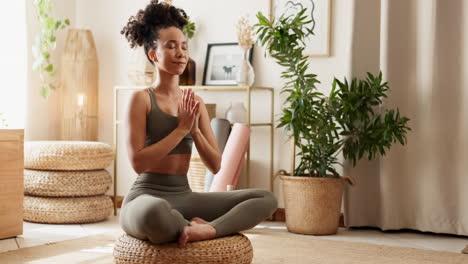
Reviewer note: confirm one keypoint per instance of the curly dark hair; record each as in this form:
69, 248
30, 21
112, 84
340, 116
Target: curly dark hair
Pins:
143, 28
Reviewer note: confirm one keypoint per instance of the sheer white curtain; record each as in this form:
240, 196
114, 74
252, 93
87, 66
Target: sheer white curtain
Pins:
423, 55
13, 63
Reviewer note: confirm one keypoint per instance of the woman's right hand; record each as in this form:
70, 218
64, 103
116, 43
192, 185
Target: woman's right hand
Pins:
187, 110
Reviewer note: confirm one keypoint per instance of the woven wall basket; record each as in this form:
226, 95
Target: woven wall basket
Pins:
226, 250
67, 155
66, 210
196, 174
66, 183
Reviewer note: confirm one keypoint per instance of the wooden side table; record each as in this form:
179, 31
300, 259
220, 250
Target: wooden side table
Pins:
11, 182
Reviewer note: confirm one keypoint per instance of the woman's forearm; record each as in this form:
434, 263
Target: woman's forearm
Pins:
210, 155
147, 156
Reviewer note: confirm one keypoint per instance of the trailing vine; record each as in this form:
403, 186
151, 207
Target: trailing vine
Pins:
45, 43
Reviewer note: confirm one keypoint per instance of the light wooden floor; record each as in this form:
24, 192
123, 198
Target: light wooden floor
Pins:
40, 234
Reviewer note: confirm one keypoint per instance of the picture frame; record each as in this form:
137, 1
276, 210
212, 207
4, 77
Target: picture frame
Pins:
321, 11
222, 63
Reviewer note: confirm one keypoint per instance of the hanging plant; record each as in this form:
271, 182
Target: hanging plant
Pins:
45, 43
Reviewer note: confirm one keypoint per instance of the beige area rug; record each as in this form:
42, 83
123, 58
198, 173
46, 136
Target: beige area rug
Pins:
269, 248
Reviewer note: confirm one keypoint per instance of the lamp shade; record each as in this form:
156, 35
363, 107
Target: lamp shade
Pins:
79, 87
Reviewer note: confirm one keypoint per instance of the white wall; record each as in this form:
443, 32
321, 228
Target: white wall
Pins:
216, 23
42, 115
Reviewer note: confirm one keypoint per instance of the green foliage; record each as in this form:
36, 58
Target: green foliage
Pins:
346, 121
3, 123
189, 29
45, 43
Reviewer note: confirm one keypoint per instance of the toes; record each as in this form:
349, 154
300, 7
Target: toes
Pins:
183, 238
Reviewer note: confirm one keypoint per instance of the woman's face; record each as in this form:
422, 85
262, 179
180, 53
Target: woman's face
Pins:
171, 54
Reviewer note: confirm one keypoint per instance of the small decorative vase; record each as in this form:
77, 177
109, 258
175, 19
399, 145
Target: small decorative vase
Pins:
188, 76
140, 69
245, 74
236, 113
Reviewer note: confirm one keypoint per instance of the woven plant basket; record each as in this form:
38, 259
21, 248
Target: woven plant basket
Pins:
66, 183
312, 205
67, 155
66, 210
196, 174
235, 249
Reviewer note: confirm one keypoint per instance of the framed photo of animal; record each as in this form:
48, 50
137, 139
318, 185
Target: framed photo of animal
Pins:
222, 63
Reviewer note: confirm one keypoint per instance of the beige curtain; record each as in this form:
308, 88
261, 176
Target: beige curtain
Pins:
423, 47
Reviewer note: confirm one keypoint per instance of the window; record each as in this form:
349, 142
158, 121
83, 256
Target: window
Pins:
13, 64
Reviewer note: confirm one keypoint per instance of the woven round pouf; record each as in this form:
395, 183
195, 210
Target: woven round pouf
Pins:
67, 155
66, 210
66, 183
225, 250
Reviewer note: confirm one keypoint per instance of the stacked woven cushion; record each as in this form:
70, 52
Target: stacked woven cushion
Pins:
65, 181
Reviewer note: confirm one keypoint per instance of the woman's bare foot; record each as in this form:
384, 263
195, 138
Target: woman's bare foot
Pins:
196, 232
198, 220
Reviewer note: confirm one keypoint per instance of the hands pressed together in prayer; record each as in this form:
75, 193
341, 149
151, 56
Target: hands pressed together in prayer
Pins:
189, 112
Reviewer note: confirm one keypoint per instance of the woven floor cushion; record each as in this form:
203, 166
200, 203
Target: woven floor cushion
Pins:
225, 250
52, 210
67, 155
66, 183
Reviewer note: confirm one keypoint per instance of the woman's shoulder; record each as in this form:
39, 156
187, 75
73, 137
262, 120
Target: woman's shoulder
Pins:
140, 98
140, 95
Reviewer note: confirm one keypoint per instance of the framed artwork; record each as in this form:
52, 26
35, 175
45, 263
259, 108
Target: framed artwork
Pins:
222, 63
320, 12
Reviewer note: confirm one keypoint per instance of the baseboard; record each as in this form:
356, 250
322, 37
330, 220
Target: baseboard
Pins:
280, 216
119, 200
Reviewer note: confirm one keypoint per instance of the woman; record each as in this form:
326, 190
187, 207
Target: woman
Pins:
162, 123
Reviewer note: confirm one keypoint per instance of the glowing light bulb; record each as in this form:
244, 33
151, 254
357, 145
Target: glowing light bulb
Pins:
80, 100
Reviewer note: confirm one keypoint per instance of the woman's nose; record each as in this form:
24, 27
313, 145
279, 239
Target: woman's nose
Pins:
180, 53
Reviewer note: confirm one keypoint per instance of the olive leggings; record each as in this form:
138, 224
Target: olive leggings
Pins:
159, 206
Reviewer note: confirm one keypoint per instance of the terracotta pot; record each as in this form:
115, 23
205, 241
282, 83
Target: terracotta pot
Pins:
312, 205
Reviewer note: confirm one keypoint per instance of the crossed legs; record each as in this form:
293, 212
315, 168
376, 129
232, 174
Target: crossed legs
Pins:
211, 215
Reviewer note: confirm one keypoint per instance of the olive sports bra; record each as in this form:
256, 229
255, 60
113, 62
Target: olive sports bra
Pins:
160, 124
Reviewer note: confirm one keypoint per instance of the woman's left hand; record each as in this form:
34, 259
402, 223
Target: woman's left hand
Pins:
195, 127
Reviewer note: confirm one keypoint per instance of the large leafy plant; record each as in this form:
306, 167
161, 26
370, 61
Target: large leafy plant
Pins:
350, 120
45, 43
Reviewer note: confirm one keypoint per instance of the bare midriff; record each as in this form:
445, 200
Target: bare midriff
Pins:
177, 164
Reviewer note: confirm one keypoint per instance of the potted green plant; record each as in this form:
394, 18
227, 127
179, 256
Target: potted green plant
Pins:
350, 121
45, 43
